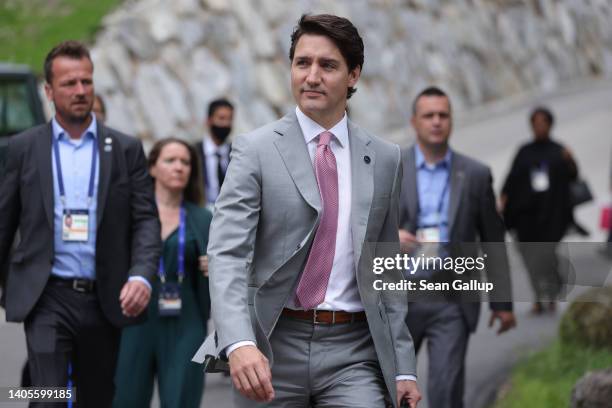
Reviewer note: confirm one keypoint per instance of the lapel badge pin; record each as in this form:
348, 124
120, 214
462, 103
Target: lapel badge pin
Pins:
108, 140
366, 159
108, 148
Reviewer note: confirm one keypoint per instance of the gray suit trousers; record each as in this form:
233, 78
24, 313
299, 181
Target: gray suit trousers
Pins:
323, 366
447, 334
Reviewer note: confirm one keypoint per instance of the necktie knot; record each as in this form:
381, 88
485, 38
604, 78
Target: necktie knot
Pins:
325, 138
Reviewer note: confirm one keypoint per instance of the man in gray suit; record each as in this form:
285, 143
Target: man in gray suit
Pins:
447, 197
292, 297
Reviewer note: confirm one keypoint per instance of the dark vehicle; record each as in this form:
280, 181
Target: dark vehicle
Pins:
20, 109
20, 105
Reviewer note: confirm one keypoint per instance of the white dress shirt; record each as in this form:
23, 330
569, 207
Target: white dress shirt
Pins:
342, 292
210, 150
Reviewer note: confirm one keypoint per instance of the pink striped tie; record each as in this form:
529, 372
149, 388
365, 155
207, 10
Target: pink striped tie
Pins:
313, 283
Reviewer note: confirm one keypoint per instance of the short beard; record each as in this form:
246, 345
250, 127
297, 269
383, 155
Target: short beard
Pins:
75, 119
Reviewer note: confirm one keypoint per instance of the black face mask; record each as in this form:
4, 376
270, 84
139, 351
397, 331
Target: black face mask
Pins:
220, 132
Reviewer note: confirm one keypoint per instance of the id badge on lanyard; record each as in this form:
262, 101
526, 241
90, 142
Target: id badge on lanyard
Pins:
430, 235
75, 225
75, 222
429, 238
540, 181
169, 302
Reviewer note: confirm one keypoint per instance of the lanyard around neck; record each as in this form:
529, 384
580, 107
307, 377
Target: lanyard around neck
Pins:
181, 250
441, 202
60, 177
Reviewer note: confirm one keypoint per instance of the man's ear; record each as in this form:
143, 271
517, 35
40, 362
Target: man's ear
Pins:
49, 92
354, 75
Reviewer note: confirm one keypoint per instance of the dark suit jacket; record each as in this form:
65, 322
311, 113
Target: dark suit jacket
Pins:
472, 218
199, 148
128, 236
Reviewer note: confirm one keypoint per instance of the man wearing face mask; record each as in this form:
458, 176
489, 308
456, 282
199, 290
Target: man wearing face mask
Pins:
214, 151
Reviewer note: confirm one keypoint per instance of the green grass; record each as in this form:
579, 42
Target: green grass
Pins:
30, 28
546, 378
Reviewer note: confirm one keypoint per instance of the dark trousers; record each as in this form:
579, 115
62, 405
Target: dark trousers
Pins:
447, 334
67, 328
544, 269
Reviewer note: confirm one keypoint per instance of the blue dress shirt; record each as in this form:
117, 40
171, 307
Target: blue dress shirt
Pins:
433, 183
75, 259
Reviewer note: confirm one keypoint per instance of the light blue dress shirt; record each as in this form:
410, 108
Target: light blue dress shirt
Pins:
75, 259
433, 183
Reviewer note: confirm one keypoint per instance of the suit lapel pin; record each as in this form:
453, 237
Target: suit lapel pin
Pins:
108, 144
366, 159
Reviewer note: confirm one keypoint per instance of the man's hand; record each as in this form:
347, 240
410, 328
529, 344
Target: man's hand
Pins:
507, 320
408, 390
134, 298
251, 373
407, 240
203, 264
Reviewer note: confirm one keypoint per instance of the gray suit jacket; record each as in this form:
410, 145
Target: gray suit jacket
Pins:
263, 226
473, 218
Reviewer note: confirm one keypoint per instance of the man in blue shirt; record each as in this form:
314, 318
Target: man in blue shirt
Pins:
447, 201
82, 200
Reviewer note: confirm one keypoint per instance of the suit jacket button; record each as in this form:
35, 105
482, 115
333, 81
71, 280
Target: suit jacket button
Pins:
366, 159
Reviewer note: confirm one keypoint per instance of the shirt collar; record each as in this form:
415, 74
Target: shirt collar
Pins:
210, 148
311, 129
59, 132
421, 163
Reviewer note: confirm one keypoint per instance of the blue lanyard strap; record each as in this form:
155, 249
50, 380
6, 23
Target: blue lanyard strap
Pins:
181, 250
69, 385
60, 177
441, 202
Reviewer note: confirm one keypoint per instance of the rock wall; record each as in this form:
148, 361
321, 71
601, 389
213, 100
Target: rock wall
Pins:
159, 62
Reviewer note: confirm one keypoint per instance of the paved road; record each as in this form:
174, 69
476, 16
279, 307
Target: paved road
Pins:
584, 120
